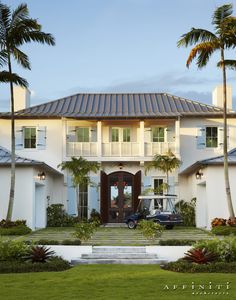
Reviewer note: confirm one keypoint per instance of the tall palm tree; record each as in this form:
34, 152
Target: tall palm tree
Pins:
166, 163
17, 29
80, 168
206, 43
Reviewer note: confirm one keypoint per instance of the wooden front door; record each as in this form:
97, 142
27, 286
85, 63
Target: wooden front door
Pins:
119, 195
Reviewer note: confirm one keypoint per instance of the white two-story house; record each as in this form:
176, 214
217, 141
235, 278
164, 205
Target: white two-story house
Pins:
123, 132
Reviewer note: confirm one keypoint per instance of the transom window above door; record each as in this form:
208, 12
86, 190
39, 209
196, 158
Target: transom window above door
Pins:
121, 134
158, 134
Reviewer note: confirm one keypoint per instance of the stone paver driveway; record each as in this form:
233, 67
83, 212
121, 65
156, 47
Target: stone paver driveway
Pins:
119, 236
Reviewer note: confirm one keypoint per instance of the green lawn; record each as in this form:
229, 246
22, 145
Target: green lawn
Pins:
111, 282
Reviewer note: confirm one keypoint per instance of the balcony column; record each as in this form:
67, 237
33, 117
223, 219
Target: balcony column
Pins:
141, 141
99, 139
64, 139
177, 137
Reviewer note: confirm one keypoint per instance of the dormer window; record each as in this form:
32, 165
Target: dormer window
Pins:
211, 137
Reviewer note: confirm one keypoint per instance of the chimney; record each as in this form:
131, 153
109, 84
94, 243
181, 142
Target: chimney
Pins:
21, 98
217, 96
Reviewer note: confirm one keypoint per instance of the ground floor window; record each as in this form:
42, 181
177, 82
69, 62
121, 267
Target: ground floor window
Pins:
158, 190
83, 202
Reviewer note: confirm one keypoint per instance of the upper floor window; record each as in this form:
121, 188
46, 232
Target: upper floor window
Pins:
126, 134
82, 134
115, 135
158, 134
121, 134
211, 137
29, 137
158, 186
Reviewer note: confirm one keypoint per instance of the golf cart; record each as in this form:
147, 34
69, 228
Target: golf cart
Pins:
158, 208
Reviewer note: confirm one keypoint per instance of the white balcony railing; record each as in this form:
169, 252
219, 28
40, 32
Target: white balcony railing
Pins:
81, 149
153, 148
120, 149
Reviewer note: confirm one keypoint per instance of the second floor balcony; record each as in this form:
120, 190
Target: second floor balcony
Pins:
138, 141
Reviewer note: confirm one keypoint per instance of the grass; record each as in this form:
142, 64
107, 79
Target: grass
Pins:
112, 282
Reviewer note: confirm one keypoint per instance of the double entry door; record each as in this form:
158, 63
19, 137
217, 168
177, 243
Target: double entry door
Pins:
119, 195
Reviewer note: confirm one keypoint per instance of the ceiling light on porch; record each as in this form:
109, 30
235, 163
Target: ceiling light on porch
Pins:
199, 174
42, 176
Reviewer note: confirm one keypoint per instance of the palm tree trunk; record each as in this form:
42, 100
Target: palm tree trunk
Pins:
226, 166
13, 155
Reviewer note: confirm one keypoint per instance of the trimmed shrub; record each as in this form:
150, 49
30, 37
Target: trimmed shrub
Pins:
71, 242
47, 242
225, 248
57, 217
54, 265
7, 223
224, 230
176, 242
150, 229
11, 250
187, 211
84, 230
186, 267
15, 230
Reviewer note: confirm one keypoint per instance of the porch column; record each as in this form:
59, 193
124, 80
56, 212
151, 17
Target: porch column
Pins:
64, 140
141, 141
99, 139
177, 137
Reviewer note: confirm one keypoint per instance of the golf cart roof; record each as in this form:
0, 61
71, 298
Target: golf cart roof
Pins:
157, 197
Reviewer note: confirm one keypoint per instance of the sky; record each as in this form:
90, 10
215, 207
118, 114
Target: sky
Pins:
118, 46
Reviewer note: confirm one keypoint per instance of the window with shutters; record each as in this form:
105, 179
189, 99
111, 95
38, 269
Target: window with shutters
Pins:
211, 137
82, 134
158, 134
29, 137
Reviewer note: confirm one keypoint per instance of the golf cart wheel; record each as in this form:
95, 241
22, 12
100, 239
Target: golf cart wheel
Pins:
131, 225
169, 227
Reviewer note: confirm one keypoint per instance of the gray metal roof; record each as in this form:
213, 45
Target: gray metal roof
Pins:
217, 160
5, 160
122, 105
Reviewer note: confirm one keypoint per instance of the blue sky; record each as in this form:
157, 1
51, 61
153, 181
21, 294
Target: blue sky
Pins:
118, 46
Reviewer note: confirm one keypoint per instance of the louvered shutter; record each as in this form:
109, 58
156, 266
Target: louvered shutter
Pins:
19, 143
41, 138
71, 198
71, 135
147, 135
93, 134
201, 137
170, 134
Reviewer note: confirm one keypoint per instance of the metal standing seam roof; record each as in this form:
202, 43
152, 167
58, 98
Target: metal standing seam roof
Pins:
119, 105
217, 160
5, 160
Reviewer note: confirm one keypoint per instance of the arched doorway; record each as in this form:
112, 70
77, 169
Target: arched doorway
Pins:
119, 195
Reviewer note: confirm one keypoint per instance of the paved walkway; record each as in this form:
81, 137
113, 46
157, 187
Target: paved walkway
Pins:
119, 236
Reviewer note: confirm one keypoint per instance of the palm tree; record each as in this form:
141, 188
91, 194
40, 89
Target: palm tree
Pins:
166, 163
206, 43
80, 169
17, 29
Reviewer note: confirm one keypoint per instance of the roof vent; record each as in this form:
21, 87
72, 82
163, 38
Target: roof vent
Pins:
217, 96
